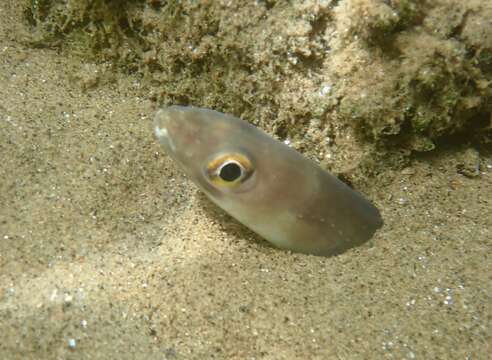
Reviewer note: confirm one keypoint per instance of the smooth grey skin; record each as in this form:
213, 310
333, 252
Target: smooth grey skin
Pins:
289, 200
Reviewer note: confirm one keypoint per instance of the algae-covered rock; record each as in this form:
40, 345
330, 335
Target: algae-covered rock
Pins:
349, 83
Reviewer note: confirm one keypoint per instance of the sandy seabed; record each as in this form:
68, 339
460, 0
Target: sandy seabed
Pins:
108, 251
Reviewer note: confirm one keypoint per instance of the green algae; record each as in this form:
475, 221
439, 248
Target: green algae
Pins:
374, 74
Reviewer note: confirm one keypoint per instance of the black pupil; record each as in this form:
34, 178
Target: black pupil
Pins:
230, 172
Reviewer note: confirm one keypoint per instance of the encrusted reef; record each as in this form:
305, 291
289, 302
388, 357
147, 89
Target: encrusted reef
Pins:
354, 84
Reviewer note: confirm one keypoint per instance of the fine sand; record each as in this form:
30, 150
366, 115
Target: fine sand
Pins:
107, 251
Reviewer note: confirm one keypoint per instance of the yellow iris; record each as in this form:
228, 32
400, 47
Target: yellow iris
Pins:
229, 170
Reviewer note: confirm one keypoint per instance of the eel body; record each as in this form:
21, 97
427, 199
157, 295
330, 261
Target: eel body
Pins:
267, 186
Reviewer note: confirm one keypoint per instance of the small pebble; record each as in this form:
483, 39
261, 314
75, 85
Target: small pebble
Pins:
72, 343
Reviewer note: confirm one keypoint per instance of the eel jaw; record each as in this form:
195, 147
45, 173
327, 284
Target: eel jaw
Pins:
162, 134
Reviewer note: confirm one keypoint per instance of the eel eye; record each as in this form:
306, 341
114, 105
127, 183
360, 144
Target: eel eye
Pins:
229, 170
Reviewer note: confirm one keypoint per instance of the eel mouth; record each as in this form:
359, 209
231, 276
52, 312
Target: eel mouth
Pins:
161, 132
